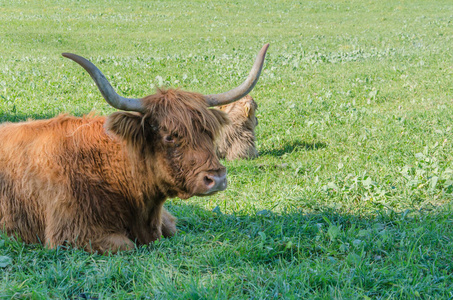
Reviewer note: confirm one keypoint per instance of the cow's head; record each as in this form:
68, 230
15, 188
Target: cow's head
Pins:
172, 132
238, 138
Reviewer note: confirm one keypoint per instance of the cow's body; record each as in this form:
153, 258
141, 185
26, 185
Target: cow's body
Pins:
99, 183
237, 140
52, 172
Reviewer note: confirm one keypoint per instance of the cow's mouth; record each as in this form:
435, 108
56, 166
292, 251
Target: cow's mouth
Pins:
184, 195
207, 194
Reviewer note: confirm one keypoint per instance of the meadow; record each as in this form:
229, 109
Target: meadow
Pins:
351, 196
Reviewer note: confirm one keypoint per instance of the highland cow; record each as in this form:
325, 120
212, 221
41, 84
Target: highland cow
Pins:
99, 183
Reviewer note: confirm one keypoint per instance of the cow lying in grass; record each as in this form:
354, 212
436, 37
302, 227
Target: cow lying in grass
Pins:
99, 183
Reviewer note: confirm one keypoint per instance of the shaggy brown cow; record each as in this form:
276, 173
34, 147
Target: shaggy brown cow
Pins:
237, 140
99, 183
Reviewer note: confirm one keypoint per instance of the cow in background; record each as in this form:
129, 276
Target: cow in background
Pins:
237, 140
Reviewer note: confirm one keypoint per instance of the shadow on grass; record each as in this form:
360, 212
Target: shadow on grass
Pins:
293, 147
194, 219
317, 251
330, 235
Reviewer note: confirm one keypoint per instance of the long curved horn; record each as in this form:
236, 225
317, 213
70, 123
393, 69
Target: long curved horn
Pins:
107, 91
245, 88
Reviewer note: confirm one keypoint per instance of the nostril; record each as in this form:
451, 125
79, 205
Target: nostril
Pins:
208, 181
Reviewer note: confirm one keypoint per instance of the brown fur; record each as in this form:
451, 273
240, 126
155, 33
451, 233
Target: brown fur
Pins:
99, 183
238, 138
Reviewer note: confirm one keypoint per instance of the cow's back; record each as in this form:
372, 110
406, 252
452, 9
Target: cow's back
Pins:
44, 163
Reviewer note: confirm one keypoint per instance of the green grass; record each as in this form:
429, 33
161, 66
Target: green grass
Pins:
351, 195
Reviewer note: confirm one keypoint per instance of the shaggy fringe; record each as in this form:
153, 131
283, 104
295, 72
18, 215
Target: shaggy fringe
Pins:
184, 113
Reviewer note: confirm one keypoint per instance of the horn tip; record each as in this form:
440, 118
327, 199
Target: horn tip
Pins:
263, 50
71, 56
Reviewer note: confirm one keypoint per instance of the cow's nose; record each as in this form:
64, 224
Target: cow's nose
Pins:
215, 182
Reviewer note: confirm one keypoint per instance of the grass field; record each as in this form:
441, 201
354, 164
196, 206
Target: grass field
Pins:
351, 195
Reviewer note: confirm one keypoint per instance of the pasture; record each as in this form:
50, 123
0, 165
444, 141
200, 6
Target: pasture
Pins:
351, 196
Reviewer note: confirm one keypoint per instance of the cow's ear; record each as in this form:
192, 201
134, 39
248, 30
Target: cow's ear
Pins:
127, 125
247, 109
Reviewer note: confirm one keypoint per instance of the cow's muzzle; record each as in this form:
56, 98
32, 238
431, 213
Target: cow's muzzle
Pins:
212, 182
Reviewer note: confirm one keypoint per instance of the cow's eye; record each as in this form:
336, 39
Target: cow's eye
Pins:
169, 139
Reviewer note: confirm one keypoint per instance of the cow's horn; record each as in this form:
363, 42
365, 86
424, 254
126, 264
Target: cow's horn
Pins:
107, 91
245, 88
